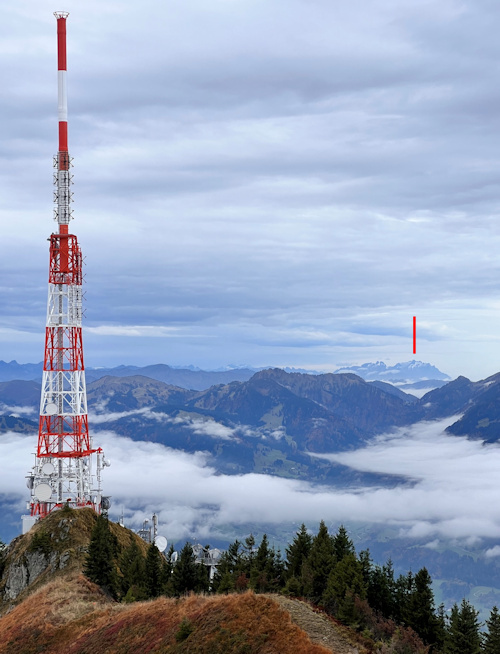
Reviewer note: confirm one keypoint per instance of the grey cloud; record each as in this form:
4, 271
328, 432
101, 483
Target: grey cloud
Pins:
209, 427
18, 411
492, 552
102, 416
246, 163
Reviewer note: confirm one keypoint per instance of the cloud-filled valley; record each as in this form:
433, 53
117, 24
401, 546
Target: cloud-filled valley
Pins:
451, 492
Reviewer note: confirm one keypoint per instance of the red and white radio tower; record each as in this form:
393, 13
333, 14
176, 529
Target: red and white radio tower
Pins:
62, 474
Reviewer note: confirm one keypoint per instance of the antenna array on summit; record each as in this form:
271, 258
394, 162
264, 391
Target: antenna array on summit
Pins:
62, 474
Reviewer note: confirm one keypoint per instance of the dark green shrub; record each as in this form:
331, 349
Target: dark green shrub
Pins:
41, 543
184, 631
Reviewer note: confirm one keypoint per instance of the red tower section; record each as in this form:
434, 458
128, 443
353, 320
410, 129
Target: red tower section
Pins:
66, 433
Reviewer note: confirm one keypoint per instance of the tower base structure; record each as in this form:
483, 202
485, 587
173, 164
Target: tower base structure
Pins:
56, 482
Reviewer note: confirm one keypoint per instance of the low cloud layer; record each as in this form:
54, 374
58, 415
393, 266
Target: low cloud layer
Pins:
205, 426
102, 416
19, 411
454, 494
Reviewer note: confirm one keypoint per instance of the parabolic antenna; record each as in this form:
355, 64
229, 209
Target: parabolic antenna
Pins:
43, 492
51, 409
214, 554
161, 543
48, 468
175, 556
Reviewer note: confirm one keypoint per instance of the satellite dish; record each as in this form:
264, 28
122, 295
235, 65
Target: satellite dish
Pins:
174, 557
48, 468
105, 503
197, 550
51, 409
161, 543
43, 492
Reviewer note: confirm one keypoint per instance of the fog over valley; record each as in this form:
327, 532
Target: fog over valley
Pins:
450, 493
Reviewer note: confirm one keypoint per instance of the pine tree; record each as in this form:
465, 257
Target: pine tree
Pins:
185, 572
421, 616
366, 563
381, 592
100, 565
249, 546
463, 635
342, 544
319, 564
166, 572
153, 571
262, 567
492, 638
403, 590
231, 566
345, 583
223, 583
132, 567
202, 574
441, 632
298, 552
277, 571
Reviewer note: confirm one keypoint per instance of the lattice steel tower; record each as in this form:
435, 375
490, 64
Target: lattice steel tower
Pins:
62, 473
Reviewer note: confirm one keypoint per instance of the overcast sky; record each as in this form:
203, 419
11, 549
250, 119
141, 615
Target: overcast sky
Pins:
271, 182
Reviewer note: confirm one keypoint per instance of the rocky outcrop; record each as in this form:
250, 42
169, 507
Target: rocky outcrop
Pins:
21, 574
51, 545
18, 576
55, 548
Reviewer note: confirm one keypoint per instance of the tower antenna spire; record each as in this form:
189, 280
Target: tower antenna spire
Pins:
62, 474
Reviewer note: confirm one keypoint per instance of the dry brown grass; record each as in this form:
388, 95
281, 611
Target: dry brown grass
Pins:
74, 617
39, 617
64, 613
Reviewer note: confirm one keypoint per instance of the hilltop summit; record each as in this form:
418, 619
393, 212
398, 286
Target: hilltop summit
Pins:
48, 605
55, 546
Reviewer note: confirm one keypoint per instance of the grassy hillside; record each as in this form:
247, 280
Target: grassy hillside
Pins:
48, 605
72, 616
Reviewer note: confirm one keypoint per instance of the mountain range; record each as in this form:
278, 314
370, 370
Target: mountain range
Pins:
271, 422
409, 375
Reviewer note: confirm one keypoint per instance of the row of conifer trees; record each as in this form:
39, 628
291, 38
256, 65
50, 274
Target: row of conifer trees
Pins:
397, 613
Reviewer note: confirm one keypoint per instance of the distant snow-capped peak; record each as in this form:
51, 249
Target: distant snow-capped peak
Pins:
406, 372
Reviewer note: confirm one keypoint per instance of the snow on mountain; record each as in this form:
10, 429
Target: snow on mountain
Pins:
408, 372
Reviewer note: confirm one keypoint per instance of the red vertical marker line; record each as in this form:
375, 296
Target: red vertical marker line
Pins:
414, 334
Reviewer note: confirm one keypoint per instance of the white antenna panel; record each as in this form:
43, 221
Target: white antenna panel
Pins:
43, 492
51, 409
48, 468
